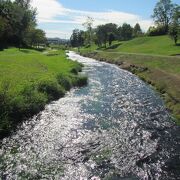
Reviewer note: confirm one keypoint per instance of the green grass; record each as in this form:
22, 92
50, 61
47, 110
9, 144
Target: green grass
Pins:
151, 63
156, 45
160, 45
29, 79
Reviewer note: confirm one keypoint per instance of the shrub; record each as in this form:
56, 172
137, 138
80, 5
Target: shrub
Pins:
77, 69
79, 80
28, 102
52, 89
64, 81
156, 31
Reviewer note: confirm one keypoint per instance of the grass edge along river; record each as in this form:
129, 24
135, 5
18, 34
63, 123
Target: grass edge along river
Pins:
154, 63
30, 79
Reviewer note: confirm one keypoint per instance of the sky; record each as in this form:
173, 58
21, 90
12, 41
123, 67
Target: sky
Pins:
59, 17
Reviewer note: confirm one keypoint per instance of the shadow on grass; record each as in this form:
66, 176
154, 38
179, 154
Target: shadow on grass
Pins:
114, 46
24, 51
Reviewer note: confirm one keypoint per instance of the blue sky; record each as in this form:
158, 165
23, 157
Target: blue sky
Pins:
59, 17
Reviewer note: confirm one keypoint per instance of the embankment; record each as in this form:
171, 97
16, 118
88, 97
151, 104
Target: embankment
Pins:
29, 80
162, 72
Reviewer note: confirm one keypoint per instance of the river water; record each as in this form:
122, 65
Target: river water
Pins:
114, 128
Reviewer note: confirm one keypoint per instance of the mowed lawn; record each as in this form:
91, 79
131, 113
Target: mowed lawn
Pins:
19, 68
157, 45
30, 79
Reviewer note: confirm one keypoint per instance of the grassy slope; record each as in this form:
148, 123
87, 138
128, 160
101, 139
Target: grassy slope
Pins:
29, 79
151, 52
161, 45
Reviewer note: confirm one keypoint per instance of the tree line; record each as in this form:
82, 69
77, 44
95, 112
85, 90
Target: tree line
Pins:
105, 34
18, 26
166, 17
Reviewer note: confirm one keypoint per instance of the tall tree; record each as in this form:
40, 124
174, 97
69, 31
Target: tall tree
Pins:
137, 30
104, 33
163, 13
88, 25
174, 30
35, 37
126, 32
17, 17
77, 38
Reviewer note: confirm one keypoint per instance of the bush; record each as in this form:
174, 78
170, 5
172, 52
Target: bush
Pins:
77, 69
64, 81
52, 89
28, 102
157, 31
79, 80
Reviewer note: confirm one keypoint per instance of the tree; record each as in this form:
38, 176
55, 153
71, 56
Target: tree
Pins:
35, 37
88, 25
101, 35
126, 32
16, 18
104, 33
137, 30
163, 13
111, 38
27, 18
77, 38
174, 30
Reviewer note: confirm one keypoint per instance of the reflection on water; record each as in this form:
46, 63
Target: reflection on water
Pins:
114, 128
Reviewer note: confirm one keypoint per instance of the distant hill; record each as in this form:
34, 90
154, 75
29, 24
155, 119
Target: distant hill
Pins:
57, 41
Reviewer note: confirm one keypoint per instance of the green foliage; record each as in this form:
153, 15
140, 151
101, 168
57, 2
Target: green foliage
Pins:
156, 31
106, 33
77, 38
51, 88
137, 31
35, 37
79, 80
64, 81
174, 30
89, 31
18, 24
126, 32
163, 13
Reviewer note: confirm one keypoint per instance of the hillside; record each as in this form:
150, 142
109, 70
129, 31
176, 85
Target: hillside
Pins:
160, 45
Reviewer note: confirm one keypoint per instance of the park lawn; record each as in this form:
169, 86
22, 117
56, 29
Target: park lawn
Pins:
154, 45
29, 79
158, 55
160, 45
19, 68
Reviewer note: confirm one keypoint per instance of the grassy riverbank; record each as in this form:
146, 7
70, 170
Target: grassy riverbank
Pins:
161, 71
29, 80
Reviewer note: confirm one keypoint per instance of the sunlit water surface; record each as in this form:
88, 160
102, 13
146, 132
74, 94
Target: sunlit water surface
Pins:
114, 128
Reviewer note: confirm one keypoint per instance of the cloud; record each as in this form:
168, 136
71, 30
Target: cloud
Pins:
52, 11
48, 9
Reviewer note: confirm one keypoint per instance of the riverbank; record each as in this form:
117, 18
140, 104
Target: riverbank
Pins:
162, 72
29, 80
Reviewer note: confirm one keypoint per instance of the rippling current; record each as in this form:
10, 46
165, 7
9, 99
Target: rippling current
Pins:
114, 128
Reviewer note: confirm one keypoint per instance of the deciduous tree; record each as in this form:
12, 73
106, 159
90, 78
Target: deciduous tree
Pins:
163, 13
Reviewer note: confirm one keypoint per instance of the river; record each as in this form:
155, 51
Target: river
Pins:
114, 128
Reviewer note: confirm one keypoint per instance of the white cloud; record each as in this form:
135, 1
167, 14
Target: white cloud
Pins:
51, 11
48, 9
